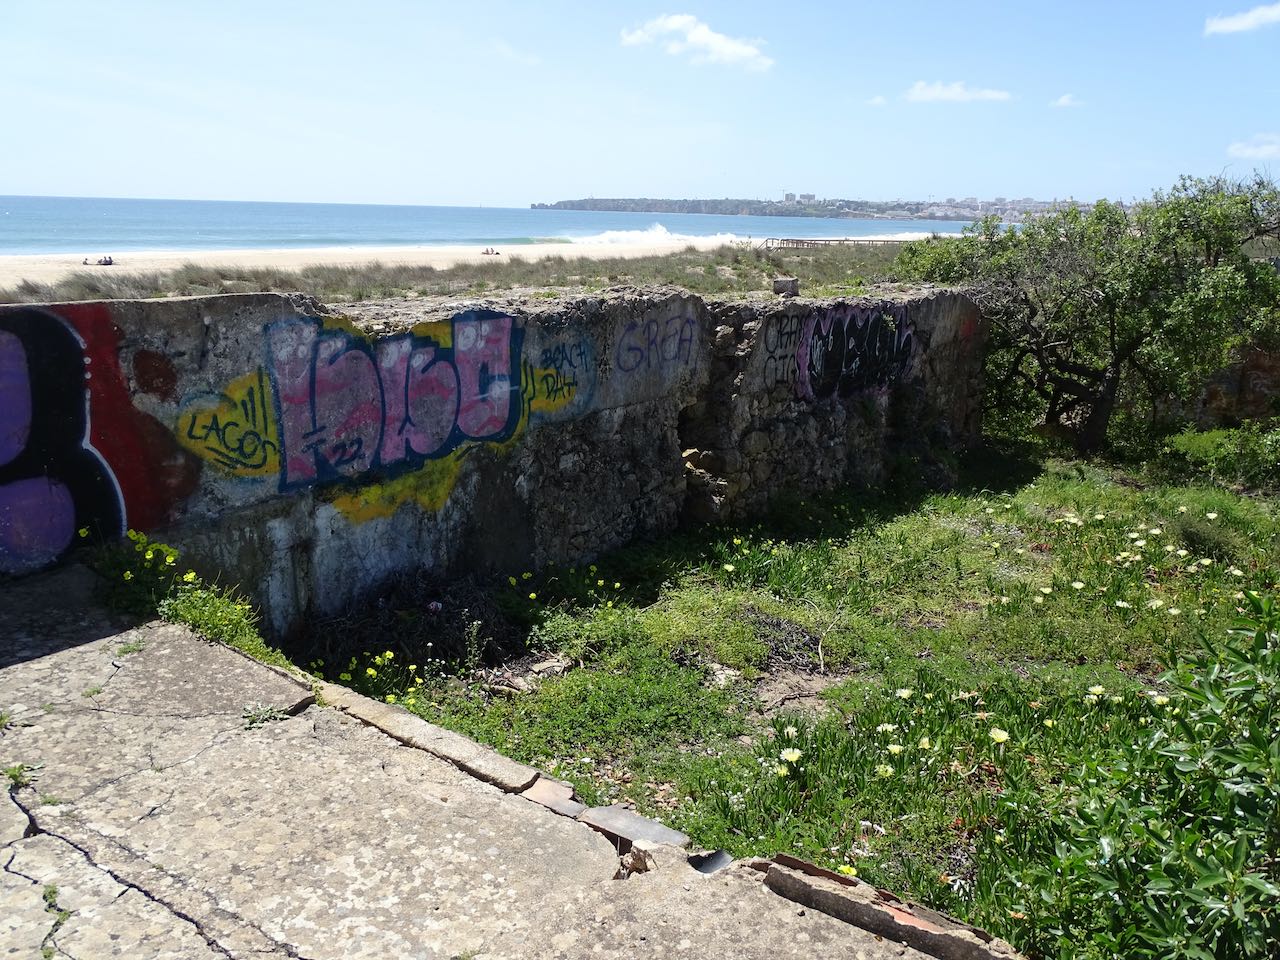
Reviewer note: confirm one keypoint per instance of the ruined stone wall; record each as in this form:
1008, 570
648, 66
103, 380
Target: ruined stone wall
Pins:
309, 455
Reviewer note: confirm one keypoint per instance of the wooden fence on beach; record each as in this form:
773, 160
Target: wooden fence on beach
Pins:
794, 243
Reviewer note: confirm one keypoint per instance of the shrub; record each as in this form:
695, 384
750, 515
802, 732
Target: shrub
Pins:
1248, 455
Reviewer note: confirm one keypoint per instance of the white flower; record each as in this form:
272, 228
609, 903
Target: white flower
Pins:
1155, 604
1155, 531
1046, 590
1174, 611
883, 770
894, 748
886, 728
791, 732
1124, 605
1077, 584
1205, 562
1139, 543
1182, 509
790, 755
1097, 689
1212, 516
903, 693
925, 743
998, 735
1099, 516
1236, 572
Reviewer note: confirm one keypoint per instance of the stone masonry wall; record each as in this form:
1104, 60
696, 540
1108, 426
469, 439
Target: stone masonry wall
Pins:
309, 455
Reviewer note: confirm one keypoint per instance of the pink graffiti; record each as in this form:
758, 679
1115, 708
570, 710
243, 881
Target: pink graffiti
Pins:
346, 406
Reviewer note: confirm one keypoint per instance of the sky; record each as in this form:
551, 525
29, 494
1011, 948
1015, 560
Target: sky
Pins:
506, 103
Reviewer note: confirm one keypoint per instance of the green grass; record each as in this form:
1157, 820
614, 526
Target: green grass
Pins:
998, 608
728, 271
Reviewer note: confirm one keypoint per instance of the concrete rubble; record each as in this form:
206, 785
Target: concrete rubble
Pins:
178, 800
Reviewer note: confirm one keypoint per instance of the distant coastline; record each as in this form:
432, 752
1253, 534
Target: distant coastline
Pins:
807, 205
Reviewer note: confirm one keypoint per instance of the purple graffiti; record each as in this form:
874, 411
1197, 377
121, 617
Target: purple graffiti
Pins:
656, 345
347, 406
51, 481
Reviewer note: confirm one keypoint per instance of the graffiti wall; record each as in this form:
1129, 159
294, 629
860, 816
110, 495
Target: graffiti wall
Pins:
308, 455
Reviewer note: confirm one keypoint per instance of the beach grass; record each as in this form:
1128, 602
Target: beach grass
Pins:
734, 269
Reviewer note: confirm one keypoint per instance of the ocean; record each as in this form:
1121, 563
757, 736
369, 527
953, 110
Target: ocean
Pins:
92, 226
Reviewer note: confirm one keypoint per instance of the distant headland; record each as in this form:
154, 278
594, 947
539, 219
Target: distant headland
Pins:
808, 205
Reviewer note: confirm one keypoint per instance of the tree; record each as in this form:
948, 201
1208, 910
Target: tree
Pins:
1087, 305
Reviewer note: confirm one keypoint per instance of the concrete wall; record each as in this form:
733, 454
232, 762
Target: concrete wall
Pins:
309, 456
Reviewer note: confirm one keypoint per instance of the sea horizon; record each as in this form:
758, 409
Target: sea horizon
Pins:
92, 226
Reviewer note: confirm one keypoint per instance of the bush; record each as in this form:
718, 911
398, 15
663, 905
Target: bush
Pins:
1248, 455
1169, 847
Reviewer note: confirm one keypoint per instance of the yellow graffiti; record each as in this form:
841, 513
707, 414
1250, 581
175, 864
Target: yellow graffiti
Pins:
235, 429
429, 487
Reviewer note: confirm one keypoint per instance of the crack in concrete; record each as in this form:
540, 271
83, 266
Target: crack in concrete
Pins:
211, 940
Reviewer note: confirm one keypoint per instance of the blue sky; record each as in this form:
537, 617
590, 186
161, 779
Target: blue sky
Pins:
504, 103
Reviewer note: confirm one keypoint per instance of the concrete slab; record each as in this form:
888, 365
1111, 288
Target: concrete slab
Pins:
181, 825
624, 827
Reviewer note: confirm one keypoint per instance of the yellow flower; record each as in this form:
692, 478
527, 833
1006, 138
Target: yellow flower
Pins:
533, 596
170, 560
791, 755
345, 677
617, 585
1049, 723
729, 568
894, 748
83, 532
883, 770
511, 580
128, 574
149, 554
925, 743
998, 735
737, 541
526, 575
599, 583
847, 870
1097, 689
370, 671
1160, 700
781, 769
189, 577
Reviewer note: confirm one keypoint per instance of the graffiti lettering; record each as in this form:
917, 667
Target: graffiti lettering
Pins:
847, 349
656, 345
346, 406
234, 429
52, 480
781, 337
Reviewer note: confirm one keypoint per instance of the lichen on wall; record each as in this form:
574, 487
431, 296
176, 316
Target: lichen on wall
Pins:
309, 454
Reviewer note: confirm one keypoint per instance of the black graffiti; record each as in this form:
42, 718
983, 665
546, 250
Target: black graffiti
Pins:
851, 349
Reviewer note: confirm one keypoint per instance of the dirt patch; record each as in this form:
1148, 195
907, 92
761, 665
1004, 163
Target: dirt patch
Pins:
795, 690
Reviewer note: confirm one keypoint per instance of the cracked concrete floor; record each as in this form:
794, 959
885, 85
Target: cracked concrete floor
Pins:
188, 802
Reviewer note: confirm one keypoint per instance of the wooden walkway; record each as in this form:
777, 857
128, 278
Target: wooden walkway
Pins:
793, 243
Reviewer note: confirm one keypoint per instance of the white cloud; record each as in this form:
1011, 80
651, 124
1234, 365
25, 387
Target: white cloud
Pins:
506, 51
877, 101
685, 33
1252, 19
1066, 100
1263, 146
956, 92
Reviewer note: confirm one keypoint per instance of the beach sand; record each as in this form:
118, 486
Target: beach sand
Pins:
51, 267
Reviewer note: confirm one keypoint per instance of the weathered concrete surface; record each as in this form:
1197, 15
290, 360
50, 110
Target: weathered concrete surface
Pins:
180, 810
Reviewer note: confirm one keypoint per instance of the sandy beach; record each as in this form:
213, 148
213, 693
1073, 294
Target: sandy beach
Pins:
51, 267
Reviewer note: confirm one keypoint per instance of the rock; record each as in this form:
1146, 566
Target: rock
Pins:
786, 286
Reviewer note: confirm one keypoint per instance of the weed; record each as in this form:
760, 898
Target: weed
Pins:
258, 714
5, 720
19, 775
93, 691
134, 646
50, 800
